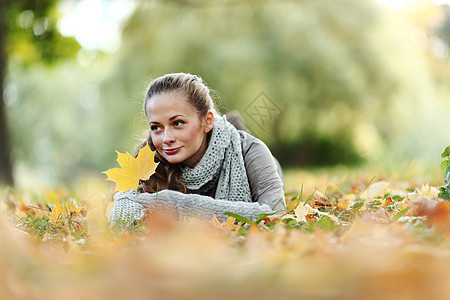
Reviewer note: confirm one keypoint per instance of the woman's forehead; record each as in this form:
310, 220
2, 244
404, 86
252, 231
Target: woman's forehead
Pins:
168, 104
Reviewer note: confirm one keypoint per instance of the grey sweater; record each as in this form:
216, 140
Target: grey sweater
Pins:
264, 177
263, 172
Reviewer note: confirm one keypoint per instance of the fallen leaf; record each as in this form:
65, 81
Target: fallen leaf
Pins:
215, 222
388, 201
342, 204
24, 209
292, 204
229, 225
302, 211
380, 217
55, 216
438, 215
376, 189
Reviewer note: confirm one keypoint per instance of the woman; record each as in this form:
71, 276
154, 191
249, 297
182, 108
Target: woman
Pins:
206, 166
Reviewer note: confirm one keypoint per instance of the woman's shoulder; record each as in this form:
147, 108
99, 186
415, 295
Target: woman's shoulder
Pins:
251, 143
254, 150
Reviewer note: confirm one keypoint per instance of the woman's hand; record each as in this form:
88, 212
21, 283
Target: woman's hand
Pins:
130, 207
126, 212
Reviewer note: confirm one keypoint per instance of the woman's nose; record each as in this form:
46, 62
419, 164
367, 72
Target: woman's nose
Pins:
168, 138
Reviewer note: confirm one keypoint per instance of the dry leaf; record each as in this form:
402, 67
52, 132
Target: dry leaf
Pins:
438, 215
301, 211
291, 204
376, 189
55, 216
380, 216
215, 223
229, 225
132, 169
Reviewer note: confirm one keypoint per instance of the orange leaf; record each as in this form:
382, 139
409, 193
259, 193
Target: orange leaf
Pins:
215, 223
438, 216
229, 225
132, 169
292, 204
56, 213
24, 209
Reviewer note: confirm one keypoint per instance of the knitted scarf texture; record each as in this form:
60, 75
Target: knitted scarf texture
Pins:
221, 165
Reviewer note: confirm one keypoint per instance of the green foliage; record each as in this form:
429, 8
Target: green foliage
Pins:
445, 169
446, 153
445, 192
32, 44
32, 35
445, 165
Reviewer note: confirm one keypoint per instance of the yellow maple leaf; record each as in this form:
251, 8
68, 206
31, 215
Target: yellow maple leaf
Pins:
132, 169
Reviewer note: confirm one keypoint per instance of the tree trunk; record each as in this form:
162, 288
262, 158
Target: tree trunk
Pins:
5, 148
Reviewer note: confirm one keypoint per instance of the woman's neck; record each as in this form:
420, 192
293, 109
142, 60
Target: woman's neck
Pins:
192, 161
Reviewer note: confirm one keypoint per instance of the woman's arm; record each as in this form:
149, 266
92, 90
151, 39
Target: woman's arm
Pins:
265, 182
129, 207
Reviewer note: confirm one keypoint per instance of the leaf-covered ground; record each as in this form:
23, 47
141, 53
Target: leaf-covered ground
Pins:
348, 237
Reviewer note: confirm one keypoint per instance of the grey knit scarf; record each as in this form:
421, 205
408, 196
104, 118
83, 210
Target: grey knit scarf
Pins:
221, 165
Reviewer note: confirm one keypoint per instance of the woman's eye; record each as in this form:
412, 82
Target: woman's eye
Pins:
178, 123
155, 128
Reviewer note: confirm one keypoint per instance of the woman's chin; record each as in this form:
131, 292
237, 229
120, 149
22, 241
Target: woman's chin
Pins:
173, 159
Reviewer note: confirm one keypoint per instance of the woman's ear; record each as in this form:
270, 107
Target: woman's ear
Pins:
209, 121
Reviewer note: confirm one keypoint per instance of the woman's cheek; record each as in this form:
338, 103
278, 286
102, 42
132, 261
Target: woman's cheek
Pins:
156, 141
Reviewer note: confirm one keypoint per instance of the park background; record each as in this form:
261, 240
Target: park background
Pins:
350, 95
353, 83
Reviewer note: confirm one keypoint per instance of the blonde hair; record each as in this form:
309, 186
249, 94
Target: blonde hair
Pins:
196, 91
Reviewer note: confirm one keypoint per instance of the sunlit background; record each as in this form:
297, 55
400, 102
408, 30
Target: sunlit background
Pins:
357, 82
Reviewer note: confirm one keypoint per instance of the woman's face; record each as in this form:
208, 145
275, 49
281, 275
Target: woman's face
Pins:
177, 131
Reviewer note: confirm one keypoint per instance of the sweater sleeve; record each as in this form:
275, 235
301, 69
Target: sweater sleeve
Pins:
127, 207
262, 172
125, 211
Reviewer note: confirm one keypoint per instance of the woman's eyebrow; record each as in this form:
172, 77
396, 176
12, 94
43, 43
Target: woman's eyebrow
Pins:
170, 119
174, 117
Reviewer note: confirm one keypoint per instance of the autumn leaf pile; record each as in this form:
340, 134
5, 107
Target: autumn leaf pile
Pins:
352, 237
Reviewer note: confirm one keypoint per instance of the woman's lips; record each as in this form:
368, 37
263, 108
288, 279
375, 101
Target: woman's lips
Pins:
172, 150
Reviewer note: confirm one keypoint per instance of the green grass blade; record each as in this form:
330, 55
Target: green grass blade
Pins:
262, 216
240, 218
400, 214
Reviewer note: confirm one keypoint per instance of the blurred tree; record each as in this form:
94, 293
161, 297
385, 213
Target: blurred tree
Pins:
28, 34
343, 72
5, 148
444, 29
